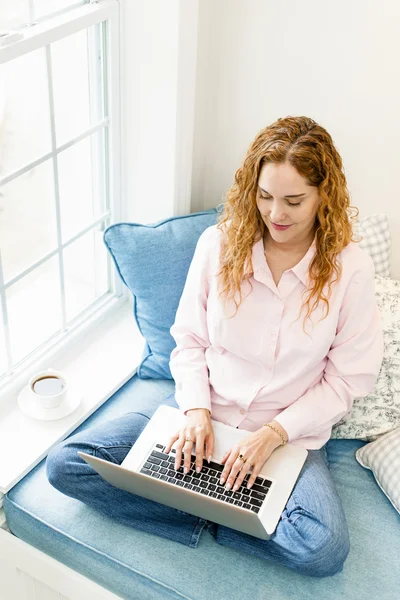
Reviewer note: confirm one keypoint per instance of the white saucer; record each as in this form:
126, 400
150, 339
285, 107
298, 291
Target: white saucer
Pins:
30, 407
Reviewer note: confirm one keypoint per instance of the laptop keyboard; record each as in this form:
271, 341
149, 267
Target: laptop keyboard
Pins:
161, 466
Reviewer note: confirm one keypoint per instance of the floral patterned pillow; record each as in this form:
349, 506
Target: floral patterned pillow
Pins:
379, 412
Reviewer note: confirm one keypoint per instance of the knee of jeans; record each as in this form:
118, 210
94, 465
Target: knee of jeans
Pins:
324, 550
61, 464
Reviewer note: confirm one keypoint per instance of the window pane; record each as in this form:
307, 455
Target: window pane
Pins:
24, 111
44, 8
81, 178
85, 267
34, 309
27, 219
13, 14
77, 84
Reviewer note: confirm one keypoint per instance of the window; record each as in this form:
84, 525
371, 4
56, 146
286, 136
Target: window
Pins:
59, 172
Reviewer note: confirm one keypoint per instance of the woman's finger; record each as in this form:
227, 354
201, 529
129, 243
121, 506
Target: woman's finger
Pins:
199, 450
236, 465
187, 450
171, 442
210, 446
179, 446
254, 474
241, 475
226, 473
225, 456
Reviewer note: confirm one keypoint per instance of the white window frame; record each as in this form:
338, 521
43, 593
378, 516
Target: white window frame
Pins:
110, 349
32, 38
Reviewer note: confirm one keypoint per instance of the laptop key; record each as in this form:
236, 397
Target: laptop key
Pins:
213, 473
212, 494
155, 468
205, 492
196, 475
165, 463
228, 493
155, 461
220, 490
188, 486
258, 488
180, 483
255, 509
154, 474
160, 446
204, 477
171, 479
246, 491
230, 500
213, 480
203, 484
171, 459
255, 502
212, 487
147, 465
257, 495
237, 496
245, 505
238, 503
159, 455
164, 477
163, 470
216, 467
171, 473
178, 475
146, 471
259, 481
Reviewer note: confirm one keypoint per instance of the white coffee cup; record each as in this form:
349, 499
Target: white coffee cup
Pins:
48, 388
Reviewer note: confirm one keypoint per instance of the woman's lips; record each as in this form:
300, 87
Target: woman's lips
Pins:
280, 227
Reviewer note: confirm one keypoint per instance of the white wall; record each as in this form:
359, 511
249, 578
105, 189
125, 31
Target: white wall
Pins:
158, 73
337, 62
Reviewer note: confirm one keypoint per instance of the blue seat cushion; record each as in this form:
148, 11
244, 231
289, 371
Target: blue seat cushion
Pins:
138, 565
153, 261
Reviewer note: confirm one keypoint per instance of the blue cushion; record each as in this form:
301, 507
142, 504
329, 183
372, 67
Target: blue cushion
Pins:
153, 261
135, 564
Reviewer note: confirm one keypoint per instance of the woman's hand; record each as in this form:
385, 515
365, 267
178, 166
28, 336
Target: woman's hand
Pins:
256, 448
197, 428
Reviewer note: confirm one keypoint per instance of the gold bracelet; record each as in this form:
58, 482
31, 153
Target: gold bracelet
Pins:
277, 431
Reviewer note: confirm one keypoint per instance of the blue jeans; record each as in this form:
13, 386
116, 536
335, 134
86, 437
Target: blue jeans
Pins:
311, 536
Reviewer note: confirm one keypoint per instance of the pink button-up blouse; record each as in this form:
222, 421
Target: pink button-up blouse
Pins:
260, 365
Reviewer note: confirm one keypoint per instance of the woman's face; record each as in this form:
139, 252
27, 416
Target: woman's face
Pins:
277, 184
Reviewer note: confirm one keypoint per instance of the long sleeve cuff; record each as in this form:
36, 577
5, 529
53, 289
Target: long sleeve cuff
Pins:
193, 394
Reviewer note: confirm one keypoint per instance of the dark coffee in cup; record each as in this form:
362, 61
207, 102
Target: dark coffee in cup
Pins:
48, 385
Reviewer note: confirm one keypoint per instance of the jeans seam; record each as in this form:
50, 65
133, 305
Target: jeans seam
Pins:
197, 529
97, 450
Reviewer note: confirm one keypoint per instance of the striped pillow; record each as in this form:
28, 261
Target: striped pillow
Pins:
382, 457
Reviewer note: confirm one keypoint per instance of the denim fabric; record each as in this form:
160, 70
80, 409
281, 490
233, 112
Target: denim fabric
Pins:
311, 537
153, 261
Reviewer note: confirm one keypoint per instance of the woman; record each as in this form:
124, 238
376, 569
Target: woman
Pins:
244, 356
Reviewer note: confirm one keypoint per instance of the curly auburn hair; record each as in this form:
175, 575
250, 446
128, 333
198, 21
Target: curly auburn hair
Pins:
309, 148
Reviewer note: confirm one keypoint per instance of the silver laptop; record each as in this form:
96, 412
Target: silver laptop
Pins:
149, 472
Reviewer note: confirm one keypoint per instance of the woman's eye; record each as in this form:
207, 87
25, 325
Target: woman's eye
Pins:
290, 203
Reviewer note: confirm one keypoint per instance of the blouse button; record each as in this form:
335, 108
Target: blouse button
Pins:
242, 412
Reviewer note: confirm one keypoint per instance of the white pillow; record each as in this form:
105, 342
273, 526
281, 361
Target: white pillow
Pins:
382, 457
379, 412
375, 232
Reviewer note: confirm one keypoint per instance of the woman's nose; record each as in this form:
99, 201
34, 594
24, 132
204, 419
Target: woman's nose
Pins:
277, 214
